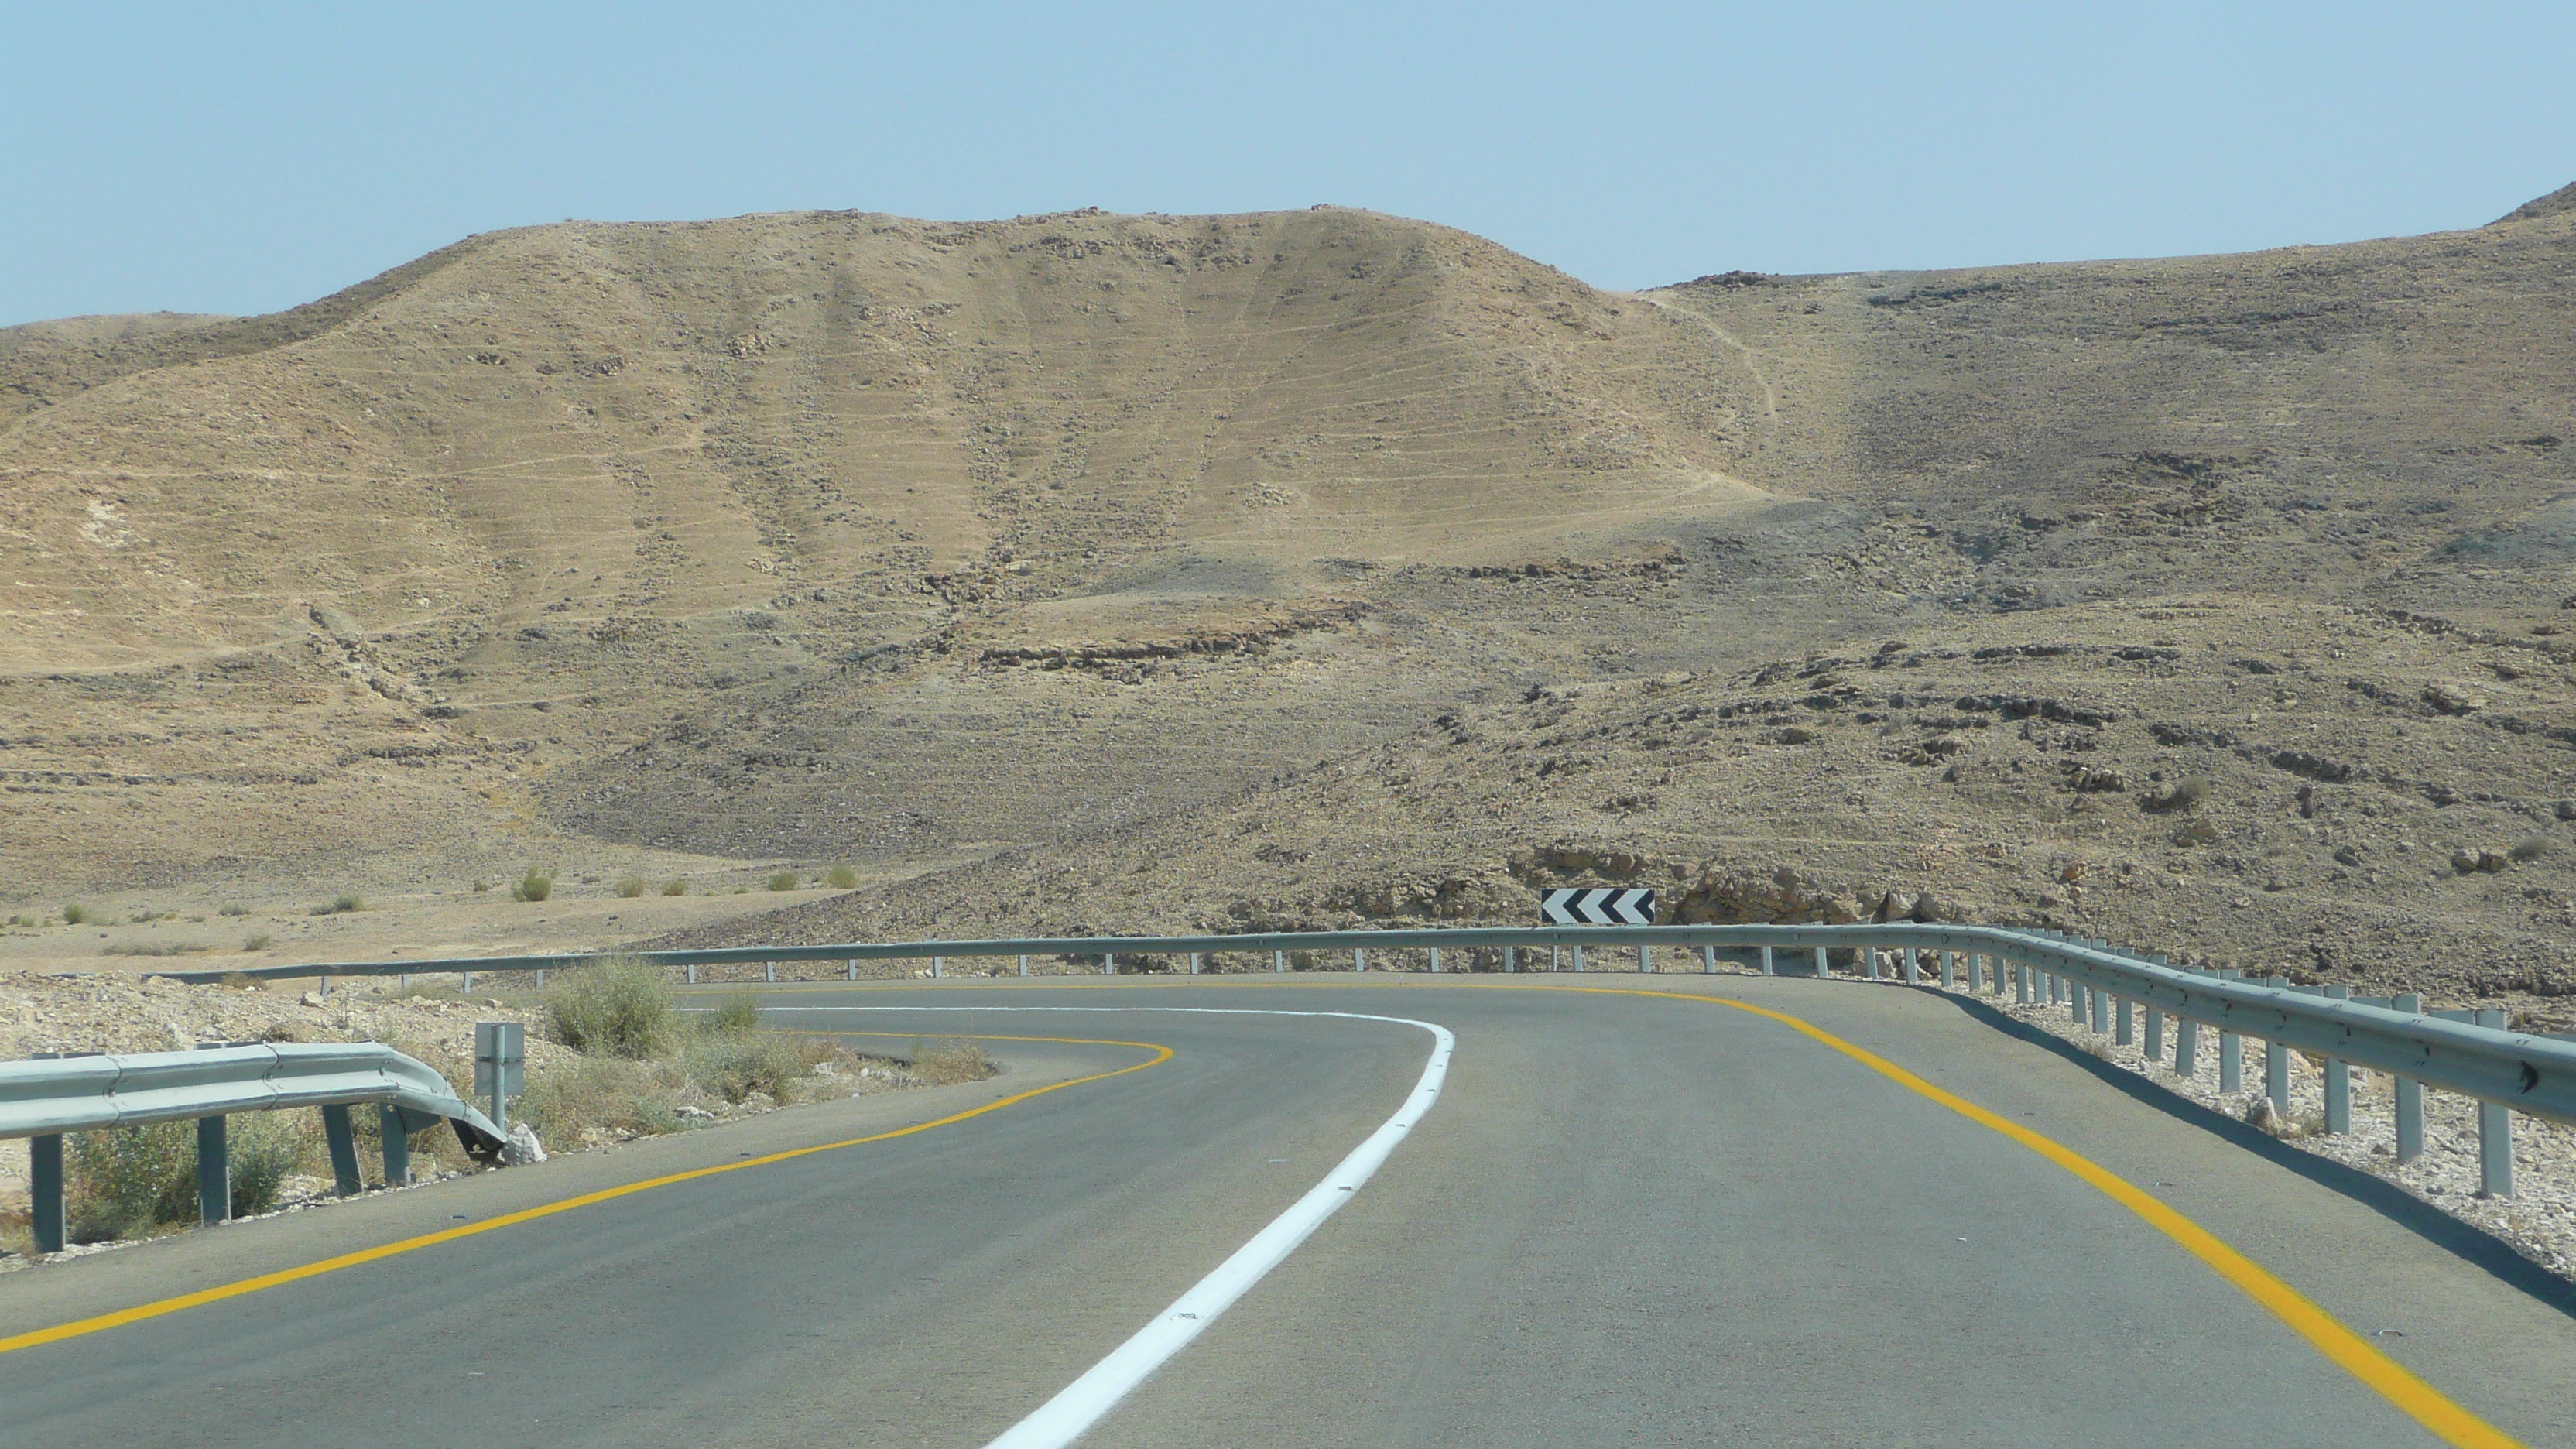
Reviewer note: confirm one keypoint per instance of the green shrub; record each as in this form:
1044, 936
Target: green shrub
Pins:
735, 1065
785, 880
631, 887
257, 941
125, 1181
536, 885
481, 886
2533, 847
153, 948
267, 1148
735, 1012
843, 878
341, 905
620, 1007
75, 914
675, 887
229, 909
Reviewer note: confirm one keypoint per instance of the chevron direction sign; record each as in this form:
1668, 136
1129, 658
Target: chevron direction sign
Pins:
1583, 906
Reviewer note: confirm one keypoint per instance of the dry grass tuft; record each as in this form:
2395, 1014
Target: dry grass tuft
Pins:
946, 1063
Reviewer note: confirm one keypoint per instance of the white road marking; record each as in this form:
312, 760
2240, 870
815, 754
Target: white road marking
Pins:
1083, 1403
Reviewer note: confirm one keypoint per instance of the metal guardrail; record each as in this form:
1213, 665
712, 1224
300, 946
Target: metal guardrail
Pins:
2522, 1072
46, 1097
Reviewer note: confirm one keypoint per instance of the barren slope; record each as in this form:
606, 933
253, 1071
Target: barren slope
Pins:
1118, 542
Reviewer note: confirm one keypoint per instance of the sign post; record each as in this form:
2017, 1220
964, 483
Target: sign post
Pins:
500, 1059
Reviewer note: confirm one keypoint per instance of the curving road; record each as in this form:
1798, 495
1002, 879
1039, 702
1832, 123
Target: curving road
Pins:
1631, 1219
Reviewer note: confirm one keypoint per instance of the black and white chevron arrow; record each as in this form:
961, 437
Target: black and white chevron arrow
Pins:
1596, 906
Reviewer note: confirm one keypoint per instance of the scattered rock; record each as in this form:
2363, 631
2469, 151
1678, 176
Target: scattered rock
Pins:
522, 1148
2451, 697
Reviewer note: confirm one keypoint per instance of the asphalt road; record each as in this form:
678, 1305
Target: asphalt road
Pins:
1630, 1220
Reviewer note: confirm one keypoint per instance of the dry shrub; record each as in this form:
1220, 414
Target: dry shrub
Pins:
619, 1007
946, 1063
733, 1065
735, 1012
631, 887
612, 1093
785, 880
675, 887
843, 878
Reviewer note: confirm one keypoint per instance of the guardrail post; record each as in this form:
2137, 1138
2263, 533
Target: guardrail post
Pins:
938, 966
1359, 958
402, 981
1645, 959
1949, 970
2495, 1147
541, 980
2495, 1132
1865, 963
45, 1187
2231, 1047
2338, 1078
214, 1172
1578, 958
325, 989
2124, 1028
770, 971
1708, 960
1279, 961
2276, 1062
1767, 969
397, 1146
2410, 1097
1108, 963
1822, 970
1913, 975
1194, 961
343, 1142
466, 988
1510, 963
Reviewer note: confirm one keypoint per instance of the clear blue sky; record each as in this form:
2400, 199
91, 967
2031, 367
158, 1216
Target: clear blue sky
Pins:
190, 159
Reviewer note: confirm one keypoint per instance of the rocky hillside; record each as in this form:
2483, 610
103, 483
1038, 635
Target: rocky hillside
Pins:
1134, 572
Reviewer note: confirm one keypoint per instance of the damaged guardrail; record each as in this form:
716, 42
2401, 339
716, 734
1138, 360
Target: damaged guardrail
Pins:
43, 1098
2504, 1071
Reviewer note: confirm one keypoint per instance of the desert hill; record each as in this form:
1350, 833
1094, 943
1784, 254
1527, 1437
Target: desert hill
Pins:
1011, 549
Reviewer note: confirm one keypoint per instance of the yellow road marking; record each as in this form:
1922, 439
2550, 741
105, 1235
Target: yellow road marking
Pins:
2344, 1348
217, 1294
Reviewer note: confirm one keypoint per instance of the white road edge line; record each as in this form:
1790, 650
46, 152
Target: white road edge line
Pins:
1085, 1401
